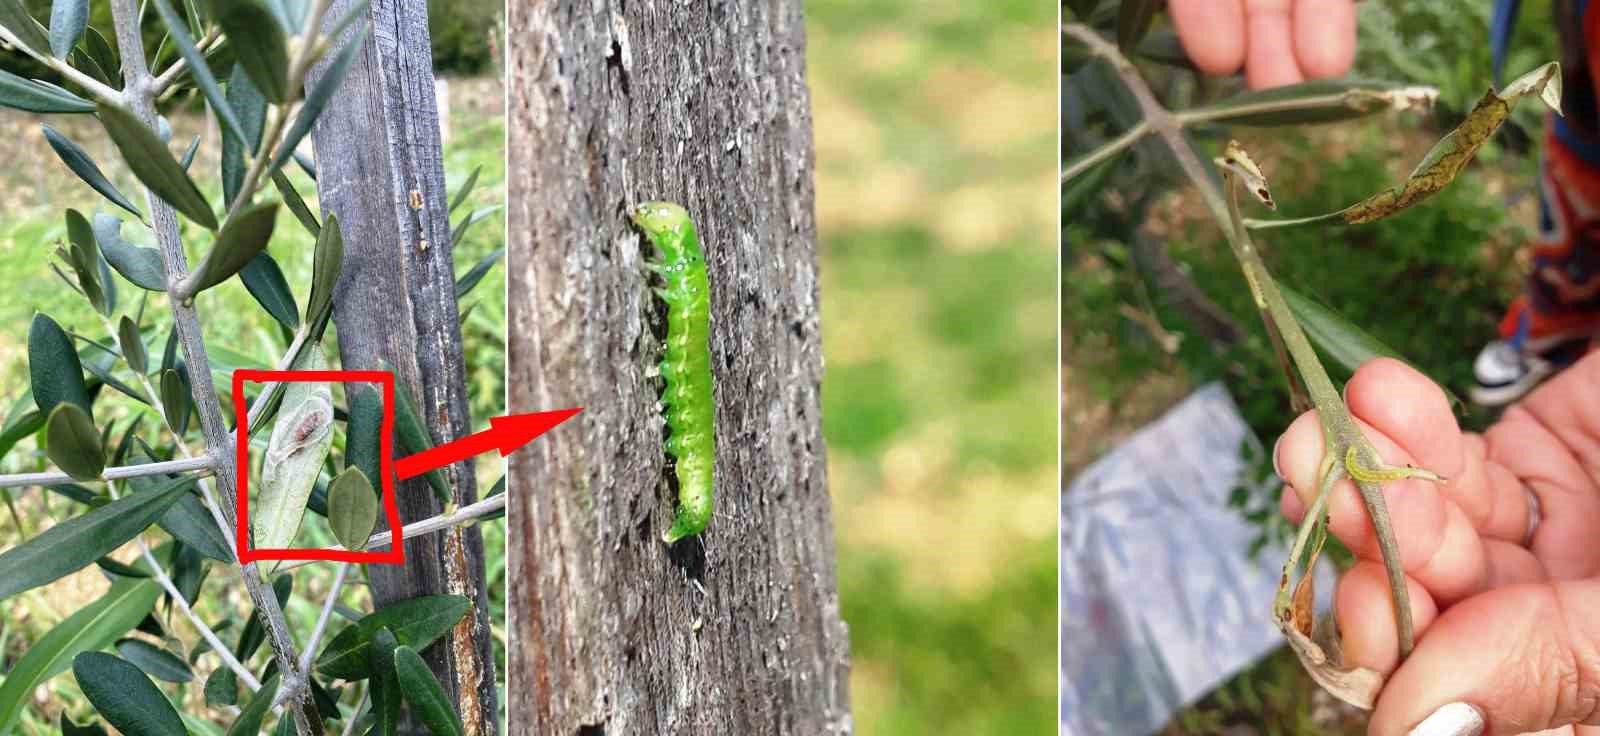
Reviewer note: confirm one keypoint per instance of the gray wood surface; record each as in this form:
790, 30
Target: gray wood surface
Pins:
377, 147
611, 632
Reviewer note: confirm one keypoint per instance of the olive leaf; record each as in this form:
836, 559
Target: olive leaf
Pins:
244, 235
385, 684
73, 442
155, 661
246, 99
54, 370
423, 692
199, 70
175, 398
326, 265
68, 18
352, 509
84, 258
265, 281
302, 435
249, 721
131, 343
154, 165
1448, 157
476, 274
222, 687
416, 622
414, 438
26, 94
1340, 339
296, 203
469, 221
262, 47
1317, 101
14, 16
141, 266
317, 99
80, 163
125, 696
69, 728
466, 189
362, 442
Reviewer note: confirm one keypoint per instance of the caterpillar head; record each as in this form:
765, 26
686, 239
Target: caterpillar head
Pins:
659, 219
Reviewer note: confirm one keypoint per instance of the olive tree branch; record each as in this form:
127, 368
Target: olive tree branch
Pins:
462, 515
59, 66
200, 466
165, 79
137, 86
1105, 150
1340, 432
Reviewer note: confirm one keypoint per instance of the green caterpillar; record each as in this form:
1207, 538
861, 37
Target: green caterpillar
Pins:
687, 365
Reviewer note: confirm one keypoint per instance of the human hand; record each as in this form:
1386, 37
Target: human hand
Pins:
1506, 620
1277, 41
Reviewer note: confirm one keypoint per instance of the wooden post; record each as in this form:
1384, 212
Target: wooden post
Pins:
737, 631
380, 170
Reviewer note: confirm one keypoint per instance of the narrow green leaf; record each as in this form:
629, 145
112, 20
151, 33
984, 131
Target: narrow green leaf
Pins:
266, 283
317, 99
69, 545
222, 687
80, 163
200, 71
99, 49
1340, 339
117, 568
414, 438
327, 263
423, 692
260, 44
465, 190
244, 236
188, 520
297, 205
54, 370
175, 398
362, 442
89, 628
472, 277
131, 343
74, 443
154, 165
68, 18
26, 94
85, 260
416, 623
68, 728
470, 220
188, 154
141, 266
384, 688
125, 696
14, 16
498, 488
99, 365
155, 661
249, 721
352, 509
1133, 21
252, 109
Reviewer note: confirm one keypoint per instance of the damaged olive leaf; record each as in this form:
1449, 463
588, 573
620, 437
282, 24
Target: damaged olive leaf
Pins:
302, 435
1448, 158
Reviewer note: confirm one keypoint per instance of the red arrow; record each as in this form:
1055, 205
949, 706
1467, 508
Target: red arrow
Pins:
505, 434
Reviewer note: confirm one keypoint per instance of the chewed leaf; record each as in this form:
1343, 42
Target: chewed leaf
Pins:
1318, 101
301, 438
1357, 686
1450, 156
1236, 159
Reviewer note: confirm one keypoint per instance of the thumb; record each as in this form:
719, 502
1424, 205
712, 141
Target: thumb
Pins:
1526, 656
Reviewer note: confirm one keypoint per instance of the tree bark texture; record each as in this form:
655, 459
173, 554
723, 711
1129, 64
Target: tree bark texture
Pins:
380, 170
736, 631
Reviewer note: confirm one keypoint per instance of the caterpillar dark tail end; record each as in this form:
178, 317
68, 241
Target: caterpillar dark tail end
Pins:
686, 366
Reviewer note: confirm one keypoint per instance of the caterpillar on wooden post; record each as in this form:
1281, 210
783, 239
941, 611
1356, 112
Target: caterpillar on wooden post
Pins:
686, 367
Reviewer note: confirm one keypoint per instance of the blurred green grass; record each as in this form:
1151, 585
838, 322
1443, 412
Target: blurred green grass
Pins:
38, 187
936, 147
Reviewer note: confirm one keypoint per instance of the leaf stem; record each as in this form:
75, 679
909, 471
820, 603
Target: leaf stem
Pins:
1106, 150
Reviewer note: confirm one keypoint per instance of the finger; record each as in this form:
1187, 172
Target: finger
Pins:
1324, 37
1491, 495
1269, 56
1212, 33
1510, 564
1525, 656
1551, 441
1436, 542
1365, 610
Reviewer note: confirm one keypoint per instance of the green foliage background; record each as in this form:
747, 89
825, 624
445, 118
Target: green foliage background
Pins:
936, 210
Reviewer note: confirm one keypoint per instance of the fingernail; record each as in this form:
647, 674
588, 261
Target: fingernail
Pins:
1454, 719
1276, 468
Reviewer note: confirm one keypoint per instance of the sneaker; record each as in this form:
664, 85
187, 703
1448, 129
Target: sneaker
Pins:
1507, 369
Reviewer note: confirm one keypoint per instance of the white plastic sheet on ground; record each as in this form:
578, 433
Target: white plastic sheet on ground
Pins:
1160, 601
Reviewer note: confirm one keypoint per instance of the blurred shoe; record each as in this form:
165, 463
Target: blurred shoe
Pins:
1510, 367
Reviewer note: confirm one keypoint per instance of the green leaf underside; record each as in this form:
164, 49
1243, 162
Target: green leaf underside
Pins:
243, 237
81, 164
154, 165
266, 284
141, 266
